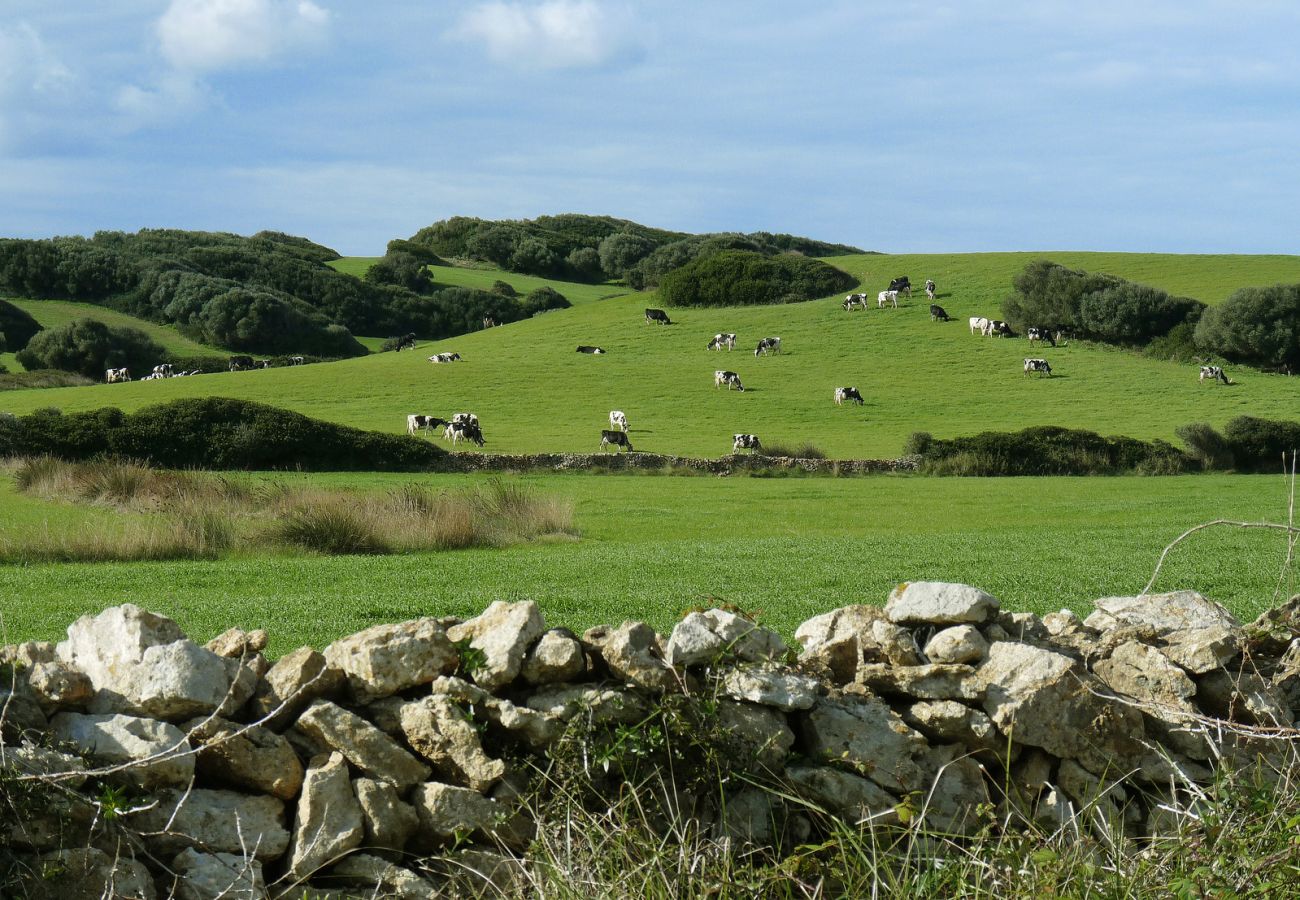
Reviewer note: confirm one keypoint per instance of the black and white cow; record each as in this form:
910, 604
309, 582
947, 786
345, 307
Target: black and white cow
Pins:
847, 393
658, 316
929, 288
1214, 373
722, 339
153, 376
614, 439
239, 363
261, 364
489, 322
1000, 328
297, 360
444, 357
584, 348
464, 419
164, 370
748, 442
112, 376
463, 431
406, 340
730, 379
618, 419
886, 297
1040, 333
768, 345
1038, 365
853, 300
938, 312
415, 422
979, 324
901, 284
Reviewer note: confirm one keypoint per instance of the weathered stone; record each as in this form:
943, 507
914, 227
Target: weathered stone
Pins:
115, 739
939, 603
236, 642
502, 633
927, 682
85, 873
770, 686
328, 822
22, 713
755, 733
1062, 622
1173, 612
64, 768
385, 659
635, 654
389, 821
1048, 700
890, 643
1162, 689
448, 812
956, 792
1023, 626
851, 797
57, 685
865, 734
1202, 650
27, 654
535, 728
215, 822
439, 730
365, 746
958, 644
217, 876
294, 681
557, 657
950, 721
1241, 697
706, 637
749, 817
382, 877
246, 756
835, 639
1275, 629
1103, 805
600, 706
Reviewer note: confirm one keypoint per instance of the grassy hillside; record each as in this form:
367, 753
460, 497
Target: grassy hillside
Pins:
534, 393
483, 279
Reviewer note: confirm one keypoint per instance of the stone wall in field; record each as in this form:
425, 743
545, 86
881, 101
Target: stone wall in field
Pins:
661, 463
417, 759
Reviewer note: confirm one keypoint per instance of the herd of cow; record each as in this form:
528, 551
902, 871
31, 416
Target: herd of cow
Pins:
168, 370
461, 427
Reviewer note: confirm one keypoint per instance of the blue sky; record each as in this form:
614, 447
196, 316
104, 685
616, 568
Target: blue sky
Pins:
895, 126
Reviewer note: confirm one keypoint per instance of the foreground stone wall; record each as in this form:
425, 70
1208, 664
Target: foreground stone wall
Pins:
395, 762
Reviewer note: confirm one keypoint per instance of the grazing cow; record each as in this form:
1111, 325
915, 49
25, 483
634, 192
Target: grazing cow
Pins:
297, 360
901, 284
464, 419
847, 393
1038, 365
853, 300
239, 363
979, 324
583, 348
489, 322
164, 370
658, 316
929, 288
444, 357
406, 340
748, 442
730, 379
1040, 333
617, 419
463, 431
115, 375
722, 339
938, 312
890, 296
768, 345
614, 439
415, 422
1214, 373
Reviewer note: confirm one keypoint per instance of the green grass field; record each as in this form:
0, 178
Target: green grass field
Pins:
533, 393
653, 547
483, 279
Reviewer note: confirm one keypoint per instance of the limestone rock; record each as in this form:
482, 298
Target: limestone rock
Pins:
851, 797
704, 637
236, 642
1045, 699
217, 876
1173, 612
365, 746
755, 733
958, 644
1061, 622
385, 659
601, 706
1242, 697
328, 822
1202, 650
85, 873
835, 639
770, 686
1275, 629
295, 680
22, 713
440, 732
749, 817
251, 757
956, 792
534, 728
381, 877
890, 643
502, 633
634, 653
215, 822
57, 685
928, 682
865, 734
939, 603
116, 739
557, 657
1162, 688
26, 654
447, 811
389, 821
1021, 626
33, 760
953, 722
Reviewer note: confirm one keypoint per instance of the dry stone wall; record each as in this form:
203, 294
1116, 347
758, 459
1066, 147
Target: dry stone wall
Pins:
402, 757
659, 462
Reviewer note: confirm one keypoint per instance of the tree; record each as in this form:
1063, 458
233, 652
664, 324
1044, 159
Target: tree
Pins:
91, 347
584, 263
534, 257
621, 251
1259, 325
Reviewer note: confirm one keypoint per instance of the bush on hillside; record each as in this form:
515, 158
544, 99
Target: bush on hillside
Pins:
621, 251
1179, 345
1214, 451
1256, 325
401, 269
1262, 445
214, 433
89, 347
742, 278
503, 288
18, 326
543, 299
1045, 450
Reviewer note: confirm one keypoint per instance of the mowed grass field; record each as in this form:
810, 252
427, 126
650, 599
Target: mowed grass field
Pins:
652, 548
533, 393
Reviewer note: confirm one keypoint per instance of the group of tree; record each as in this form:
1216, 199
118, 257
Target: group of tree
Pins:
597, 248
742, 278
90, 347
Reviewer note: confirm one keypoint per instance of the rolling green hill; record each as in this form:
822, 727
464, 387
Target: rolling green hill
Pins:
483, 279
534, 393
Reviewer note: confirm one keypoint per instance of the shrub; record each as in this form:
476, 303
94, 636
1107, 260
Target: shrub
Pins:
1179, 345
1045, 450
1262, 445
542, 299
18, 326
742, 278
333, 528
1257, 325
504, 289
89, 347
800, 451
1205, 444
403, 270
620, 252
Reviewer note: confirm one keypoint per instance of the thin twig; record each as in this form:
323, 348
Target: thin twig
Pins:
1290, 529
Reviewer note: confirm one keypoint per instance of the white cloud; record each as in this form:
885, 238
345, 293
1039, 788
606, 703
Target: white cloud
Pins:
555, 34
173, 96
27, 66
206, 35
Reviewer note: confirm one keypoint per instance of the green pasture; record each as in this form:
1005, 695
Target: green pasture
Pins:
653, 547
483, 279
